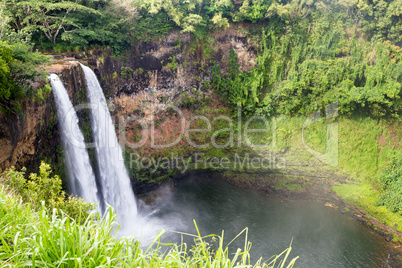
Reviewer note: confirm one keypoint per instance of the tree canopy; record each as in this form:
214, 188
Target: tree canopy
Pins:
19, 64
120, 23
321, 50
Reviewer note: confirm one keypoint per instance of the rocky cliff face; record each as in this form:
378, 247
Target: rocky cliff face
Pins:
172, 71
155, 74
32, 135
152, 75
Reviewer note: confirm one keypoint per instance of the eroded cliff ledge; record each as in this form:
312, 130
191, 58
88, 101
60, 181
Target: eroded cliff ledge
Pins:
32, 135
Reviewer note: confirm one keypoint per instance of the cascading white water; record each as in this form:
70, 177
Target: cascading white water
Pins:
115, 182
82, 178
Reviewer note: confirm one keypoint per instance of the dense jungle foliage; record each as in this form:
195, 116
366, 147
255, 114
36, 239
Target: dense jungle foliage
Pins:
120, 23
391, 182
312, 53
298, 76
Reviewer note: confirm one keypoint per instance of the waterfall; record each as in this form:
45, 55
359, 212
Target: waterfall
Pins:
114, 179
82, 178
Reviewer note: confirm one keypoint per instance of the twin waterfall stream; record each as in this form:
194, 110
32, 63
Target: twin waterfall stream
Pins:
115, 187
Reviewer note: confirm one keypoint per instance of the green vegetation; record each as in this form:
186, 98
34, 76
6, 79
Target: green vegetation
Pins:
391, 183
74, 25
368, 150
44, 188
365, 196
172, 64
42, 93
18, 70
297, 72
47, 237
126, 72
304, 64
367, 171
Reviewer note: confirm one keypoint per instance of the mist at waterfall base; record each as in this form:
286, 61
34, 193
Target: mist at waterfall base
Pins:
322, 237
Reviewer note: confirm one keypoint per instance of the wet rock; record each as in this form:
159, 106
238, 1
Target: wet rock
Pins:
149, 62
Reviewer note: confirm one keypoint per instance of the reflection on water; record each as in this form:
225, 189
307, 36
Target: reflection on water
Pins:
322, 237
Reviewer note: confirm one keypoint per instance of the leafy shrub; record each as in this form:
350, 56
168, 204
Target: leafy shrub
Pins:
44, 188
172, 64
42, 93
126, 72
189, 102
18, 70
391, 183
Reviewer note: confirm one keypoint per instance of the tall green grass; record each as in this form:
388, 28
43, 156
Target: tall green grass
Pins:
49, 238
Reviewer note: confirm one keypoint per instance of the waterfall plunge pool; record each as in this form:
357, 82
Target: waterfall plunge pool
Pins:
322, 236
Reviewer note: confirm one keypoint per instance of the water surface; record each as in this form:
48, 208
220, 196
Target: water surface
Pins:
322, 236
